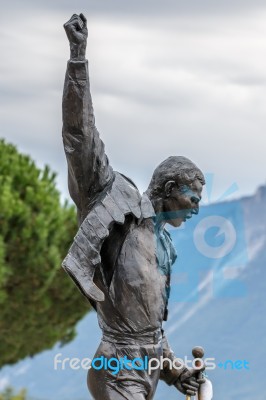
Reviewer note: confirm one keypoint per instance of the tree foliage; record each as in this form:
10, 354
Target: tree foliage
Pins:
39, 303
8, 394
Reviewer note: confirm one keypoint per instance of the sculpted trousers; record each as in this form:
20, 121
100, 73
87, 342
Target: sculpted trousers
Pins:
126, 384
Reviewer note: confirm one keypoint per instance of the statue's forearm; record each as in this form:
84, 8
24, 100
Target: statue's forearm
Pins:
78, 124
88, 166
77, 103
78, 117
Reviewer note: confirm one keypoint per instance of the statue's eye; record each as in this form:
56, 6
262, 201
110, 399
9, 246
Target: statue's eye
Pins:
194, 200
183, 189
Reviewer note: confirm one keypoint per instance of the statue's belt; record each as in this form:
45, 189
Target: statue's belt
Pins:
128, 338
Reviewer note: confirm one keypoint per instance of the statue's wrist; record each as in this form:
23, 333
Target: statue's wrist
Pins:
77, 52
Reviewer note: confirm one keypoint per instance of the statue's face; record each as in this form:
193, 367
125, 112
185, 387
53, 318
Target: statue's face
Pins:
180, 203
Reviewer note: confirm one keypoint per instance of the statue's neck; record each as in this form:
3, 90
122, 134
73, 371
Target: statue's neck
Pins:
157, 203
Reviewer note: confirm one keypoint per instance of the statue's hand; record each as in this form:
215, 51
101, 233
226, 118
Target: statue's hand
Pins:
77, 33
189, 381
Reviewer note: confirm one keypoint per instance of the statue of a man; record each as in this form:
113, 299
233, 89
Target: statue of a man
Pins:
122, 255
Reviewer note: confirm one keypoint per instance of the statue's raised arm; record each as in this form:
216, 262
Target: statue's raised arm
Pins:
88, 168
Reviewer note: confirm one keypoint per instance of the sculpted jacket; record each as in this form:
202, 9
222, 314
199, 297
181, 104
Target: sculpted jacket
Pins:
118, 260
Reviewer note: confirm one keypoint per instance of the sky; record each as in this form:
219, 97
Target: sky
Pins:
167, 78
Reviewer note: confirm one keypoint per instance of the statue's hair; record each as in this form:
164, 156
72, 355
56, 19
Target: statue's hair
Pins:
175, 168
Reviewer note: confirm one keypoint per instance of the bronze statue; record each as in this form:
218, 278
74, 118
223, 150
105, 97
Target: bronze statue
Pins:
122, 255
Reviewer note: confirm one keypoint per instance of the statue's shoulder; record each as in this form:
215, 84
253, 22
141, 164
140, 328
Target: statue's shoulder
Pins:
123, 195
127, 179
121, 198
128, 198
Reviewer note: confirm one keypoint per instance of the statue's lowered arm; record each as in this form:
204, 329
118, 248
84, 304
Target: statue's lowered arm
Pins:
88, 167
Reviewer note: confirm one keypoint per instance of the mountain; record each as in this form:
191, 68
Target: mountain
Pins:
217, 301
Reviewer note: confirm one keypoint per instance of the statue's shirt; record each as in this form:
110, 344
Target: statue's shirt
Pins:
136, 298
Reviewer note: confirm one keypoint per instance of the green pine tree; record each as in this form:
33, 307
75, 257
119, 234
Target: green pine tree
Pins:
39, 303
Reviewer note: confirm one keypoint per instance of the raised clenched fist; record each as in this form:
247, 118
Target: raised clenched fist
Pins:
77, 33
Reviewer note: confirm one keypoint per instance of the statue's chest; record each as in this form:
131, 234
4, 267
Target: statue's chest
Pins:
165, 252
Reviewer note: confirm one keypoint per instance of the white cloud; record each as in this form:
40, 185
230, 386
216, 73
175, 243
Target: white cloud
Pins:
170, 84
22, 370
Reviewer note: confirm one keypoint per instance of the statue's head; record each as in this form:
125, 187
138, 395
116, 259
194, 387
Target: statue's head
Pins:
175, 190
